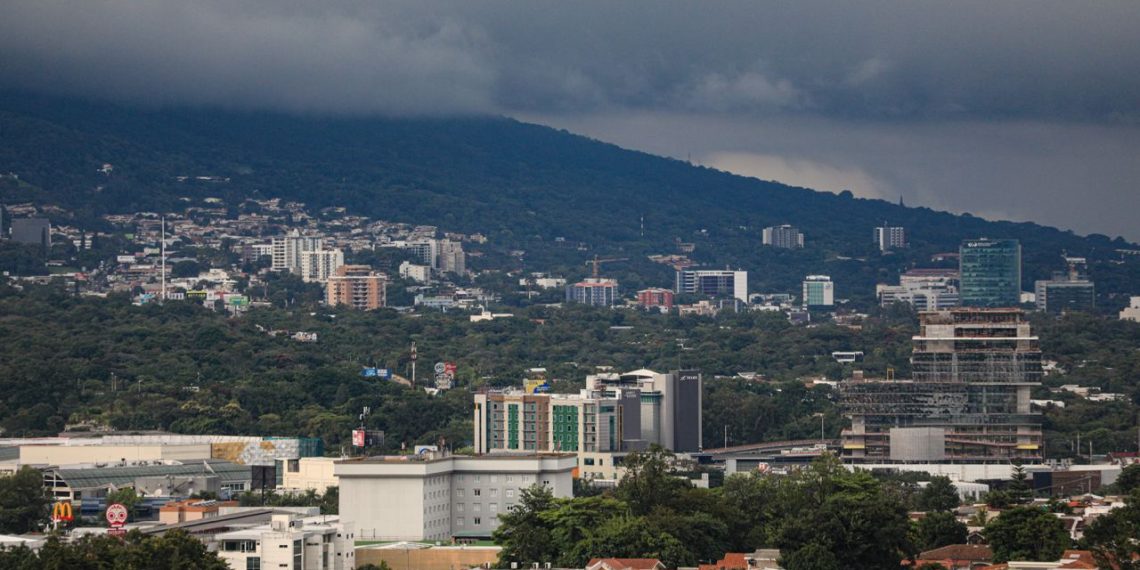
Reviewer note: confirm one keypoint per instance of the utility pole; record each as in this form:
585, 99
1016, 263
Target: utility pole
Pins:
726, 436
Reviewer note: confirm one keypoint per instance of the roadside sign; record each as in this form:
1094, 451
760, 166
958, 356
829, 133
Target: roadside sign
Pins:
62, 512
117, 515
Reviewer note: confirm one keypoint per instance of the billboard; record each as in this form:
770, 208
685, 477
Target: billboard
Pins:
367, 437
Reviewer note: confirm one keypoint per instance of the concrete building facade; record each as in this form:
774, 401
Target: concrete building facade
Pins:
785, 237
437, 497
968, 399
290, 542
356, 286
597, 291
889, 237
318, 266
713, 282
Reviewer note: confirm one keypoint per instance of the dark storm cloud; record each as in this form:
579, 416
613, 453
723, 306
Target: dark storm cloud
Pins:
875, 60
1014, 109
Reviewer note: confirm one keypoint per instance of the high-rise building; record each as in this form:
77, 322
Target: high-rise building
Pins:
967, 401
616, 412
923, 289
317, 266
356, 286
785, 236
818, 292
1070, 291
451, 258
890, 237
713, 282
597, 291
655, 298
32, 231
990, 272
287, 251
426, 251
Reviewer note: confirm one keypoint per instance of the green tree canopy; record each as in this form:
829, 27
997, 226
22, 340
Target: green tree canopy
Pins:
1112, 537
24, 505
938, 529
938, 495
1027, 533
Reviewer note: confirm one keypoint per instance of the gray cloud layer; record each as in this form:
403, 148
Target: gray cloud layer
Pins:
869, 59
1015, 109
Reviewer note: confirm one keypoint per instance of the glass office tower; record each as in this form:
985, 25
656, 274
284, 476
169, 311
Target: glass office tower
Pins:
990, 273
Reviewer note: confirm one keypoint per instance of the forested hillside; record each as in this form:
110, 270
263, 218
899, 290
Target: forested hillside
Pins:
521, 185
184, 368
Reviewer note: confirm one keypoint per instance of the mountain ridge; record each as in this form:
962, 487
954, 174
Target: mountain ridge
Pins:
521, 184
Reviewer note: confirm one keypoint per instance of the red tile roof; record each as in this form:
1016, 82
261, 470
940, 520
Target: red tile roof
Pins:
971, 552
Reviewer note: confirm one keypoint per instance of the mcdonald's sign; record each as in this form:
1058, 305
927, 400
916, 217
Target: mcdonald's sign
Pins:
61, 512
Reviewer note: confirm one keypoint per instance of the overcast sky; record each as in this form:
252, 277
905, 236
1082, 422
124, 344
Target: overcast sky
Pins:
1014, 110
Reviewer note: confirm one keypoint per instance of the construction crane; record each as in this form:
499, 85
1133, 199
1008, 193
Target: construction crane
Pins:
598, 262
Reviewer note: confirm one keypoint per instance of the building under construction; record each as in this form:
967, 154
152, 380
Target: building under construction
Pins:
967, 401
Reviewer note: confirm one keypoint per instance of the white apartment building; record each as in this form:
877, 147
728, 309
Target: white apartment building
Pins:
317, 266
435, 496
290, 542
417, 273
287, 251
924, 289
889, 237
785, 236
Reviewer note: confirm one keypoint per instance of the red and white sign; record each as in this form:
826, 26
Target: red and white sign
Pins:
117, 515
358, 438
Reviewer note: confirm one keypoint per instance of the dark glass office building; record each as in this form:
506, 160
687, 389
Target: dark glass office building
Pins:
990, 273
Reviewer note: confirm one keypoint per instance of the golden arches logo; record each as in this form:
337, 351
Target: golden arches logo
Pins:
61, 512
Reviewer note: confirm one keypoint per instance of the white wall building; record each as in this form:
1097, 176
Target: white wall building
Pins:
818, 291
1132, 311
290, 542
306, 473
785, 236
889, 237
418, 273
287, 250
924, 289
317, 266
436, 497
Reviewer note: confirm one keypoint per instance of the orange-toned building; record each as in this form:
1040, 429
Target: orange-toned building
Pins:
356, 286
176, 512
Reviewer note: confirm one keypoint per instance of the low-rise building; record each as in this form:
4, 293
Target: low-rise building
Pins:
436, 496
1132, 311
309, 473
188, 510
290, 542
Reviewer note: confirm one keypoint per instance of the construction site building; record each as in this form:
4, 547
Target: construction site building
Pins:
967, 400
